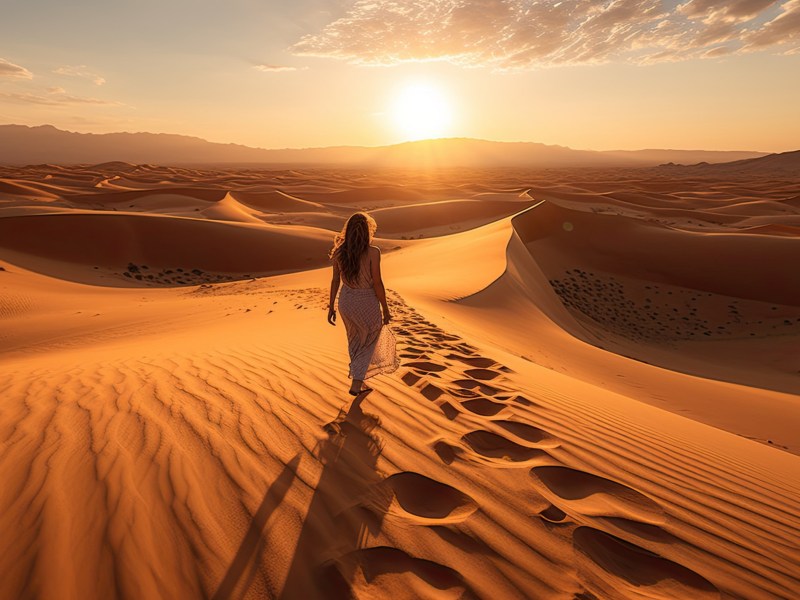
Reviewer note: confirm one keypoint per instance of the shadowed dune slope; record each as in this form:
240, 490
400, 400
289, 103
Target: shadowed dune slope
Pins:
16, 188
114, 240
733, 264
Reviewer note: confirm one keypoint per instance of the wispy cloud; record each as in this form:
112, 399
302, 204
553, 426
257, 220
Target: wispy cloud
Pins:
782, 30
519, 34
8, 69
277, 68
55, 96
80, 71
732, 11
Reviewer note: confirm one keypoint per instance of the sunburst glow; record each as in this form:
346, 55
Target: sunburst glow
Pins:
421, 111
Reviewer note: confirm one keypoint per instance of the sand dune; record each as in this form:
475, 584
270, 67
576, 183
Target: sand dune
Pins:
276, 201
125, 197
446, 216
751, 268
229, 209
162, 243
13, 188
173, 427
366, 195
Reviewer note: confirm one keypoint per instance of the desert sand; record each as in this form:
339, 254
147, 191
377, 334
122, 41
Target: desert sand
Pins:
599, 396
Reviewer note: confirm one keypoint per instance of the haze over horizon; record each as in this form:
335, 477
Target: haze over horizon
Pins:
383, 145
622, 75
24, 145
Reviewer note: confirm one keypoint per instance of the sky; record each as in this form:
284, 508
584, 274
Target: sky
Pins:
618, 74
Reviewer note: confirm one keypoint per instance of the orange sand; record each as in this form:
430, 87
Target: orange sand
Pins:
599, 396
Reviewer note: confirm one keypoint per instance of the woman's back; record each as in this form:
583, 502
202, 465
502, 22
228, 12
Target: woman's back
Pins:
364, 278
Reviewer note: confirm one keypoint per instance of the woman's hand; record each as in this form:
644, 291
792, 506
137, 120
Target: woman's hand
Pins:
387, 316
332, 316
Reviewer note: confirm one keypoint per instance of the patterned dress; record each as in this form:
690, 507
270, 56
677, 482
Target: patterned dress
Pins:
372, 345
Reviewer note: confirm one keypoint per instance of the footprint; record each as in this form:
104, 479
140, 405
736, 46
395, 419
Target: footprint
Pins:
482, 374
431, 392
578, 492
476, 361
425, 500
437, 346
410, 378
529, 433
470, 384
523, 401
553, 514
447, 452
492, 445
443, 337
426, 366
449, 410
638, 571
483, 407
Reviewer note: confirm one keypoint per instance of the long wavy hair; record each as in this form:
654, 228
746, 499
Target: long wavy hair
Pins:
351, 243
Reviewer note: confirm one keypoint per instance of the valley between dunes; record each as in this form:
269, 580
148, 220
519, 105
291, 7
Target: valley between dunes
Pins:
599, 395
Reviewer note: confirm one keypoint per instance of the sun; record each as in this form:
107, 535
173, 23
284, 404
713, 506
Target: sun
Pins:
421, 111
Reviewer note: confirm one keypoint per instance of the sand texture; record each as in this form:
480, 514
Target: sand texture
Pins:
599, 394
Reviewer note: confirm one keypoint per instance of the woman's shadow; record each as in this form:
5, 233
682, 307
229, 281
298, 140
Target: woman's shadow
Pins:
347, 506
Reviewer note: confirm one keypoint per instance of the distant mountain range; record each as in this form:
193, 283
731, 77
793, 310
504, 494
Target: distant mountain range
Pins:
783, 164
22, 145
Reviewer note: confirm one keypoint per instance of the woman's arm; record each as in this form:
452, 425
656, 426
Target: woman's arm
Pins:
377, 282
334, 289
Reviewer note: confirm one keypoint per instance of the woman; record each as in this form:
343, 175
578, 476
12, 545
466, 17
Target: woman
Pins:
357, 266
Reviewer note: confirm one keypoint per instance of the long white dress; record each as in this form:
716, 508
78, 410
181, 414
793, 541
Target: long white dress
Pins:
372, 345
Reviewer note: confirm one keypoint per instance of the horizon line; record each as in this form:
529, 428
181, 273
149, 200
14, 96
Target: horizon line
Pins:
388, 145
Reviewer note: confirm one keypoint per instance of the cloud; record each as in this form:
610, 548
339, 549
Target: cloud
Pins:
80, 71
716, 52
521, 34
783, 30
8, 69
716, 10
55, 96
277, 68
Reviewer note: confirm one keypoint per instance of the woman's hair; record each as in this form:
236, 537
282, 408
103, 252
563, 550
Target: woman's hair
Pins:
350, 244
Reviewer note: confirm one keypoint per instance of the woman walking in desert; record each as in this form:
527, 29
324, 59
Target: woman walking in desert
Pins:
362, 302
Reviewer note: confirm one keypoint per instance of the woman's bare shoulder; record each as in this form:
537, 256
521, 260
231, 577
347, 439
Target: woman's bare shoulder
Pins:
374, 250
